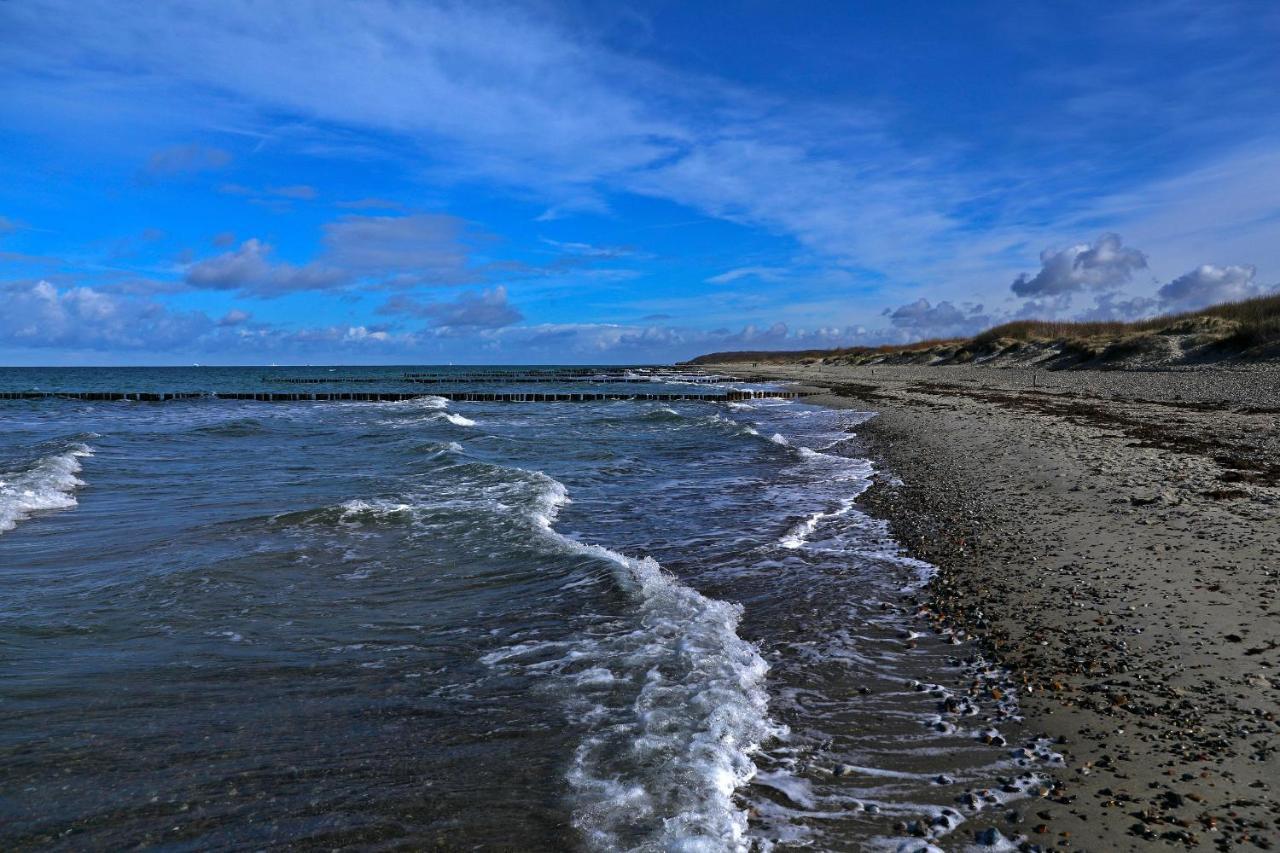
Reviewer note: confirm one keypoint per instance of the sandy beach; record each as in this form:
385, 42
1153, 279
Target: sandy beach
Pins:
1114, 539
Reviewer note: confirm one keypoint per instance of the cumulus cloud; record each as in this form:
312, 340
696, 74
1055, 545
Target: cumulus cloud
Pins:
925, 319
382, 251
185, 159
250, 270
486, 310
234, 317
38, 314
1208, 284
1104, 265
1115, 307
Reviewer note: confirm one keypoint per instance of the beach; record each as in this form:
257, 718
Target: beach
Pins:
1114, 540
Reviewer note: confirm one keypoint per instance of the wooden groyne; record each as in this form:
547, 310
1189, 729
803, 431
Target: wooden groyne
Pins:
392, 397
453, 380
552, 372
500, 379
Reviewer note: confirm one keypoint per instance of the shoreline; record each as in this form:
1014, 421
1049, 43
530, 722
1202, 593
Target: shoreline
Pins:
1108, 543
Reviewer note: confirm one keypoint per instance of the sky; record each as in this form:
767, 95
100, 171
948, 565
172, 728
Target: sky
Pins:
232, 182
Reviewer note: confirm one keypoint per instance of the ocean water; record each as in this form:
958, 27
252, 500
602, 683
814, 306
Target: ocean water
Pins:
599, 626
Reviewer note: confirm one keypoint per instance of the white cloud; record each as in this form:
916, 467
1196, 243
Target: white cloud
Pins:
235, 317
924, 319
498, 93
1105, 265
544, 110
383, 251
486, 310
1208, 284
1115, 307
39, 315
250, 271
762, 273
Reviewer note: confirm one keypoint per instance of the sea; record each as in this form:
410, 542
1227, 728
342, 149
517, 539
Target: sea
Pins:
607, 625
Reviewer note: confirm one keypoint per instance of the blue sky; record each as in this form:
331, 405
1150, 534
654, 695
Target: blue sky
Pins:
412, 182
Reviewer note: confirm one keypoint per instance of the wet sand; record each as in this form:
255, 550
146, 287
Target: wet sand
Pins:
1114, 538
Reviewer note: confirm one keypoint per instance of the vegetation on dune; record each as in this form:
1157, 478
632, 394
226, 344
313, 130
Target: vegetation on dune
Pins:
1246, 329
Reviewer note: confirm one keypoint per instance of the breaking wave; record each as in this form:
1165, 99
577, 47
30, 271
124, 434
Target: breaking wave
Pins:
665, 768
48, 483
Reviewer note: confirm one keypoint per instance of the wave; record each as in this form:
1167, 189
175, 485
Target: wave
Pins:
353, 513
427, 402
48, 483
798, 535
452, 417
669, 767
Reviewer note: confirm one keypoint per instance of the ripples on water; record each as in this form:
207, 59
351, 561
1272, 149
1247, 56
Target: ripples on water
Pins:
598, 625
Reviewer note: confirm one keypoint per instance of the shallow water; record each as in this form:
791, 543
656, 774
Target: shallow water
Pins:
613, 625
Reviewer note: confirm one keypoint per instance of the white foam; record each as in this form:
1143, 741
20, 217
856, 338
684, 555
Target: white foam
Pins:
799, 533
458, 420
354, 511
49, 483
700, 714
428, 402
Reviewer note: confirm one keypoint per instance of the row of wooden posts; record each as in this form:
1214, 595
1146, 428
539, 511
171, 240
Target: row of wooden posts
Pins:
388, 396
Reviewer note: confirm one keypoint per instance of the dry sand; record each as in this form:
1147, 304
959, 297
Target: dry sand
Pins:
1114, 538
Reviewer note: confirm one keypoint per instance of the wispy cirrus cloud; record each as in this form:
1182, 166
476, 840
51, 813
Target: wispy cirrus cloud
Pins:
530, 108
185, 159
761, 273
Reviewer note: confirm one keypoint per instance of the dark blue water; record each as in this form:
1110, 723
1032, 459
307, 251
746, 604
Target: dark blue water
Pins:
622, 625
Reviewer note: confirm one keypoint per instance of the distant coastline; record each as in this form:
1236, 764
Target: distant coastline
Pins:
1230, 333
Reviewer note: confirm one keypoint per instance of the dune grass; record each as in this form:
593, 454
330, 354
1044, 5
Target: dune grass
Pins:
1258, 320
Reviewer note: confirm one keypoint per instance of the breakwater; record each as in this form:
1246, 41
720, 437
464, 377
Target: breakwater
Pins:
393, 396
505, 378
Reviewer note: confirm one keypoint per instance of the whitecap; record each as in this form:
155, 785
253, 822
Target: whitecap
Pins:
48, 483
356, 511
700, 714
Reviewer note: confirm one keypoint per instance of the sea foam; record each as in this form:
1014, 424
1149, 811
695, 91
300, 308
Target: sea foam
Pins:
48, 483
671, 766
